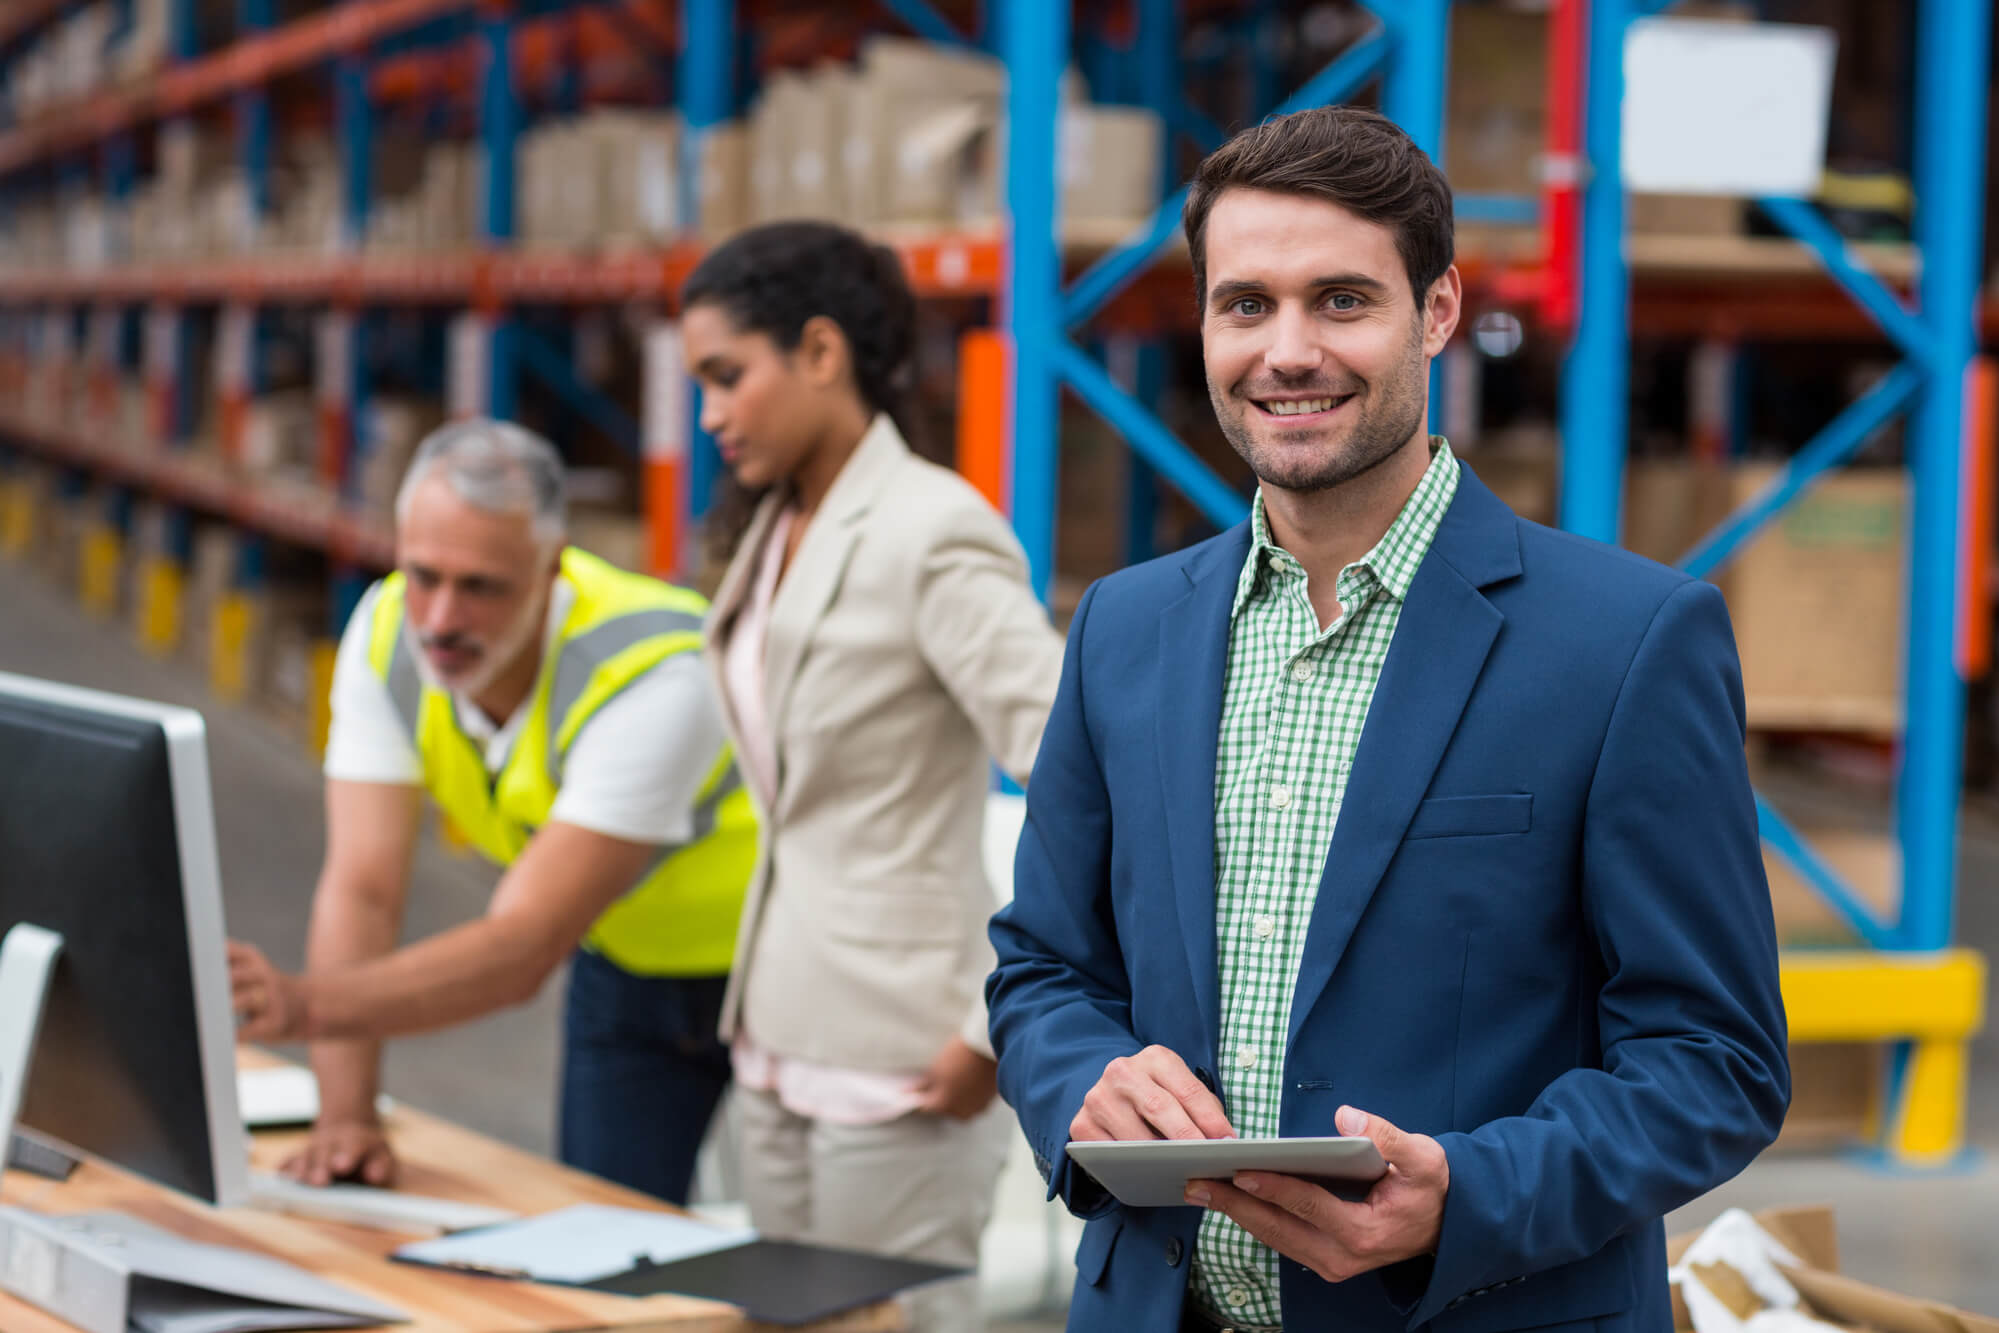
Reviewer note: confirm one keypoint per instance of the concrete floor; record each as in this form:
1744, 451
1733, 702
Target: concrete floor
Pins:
1937, 1235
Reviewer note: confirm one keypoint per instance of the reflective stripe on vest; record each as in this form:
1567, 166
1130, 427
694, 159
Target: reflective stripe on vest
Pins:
680, 918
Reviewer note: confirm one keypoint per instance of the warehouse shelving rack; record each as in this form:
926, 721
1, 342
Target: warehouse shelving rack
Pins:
1587, 272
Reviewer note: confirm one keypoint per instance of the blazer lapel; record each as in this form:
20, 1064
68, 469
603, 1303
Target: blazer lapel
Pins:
1193, 655
1441, 642
810, 584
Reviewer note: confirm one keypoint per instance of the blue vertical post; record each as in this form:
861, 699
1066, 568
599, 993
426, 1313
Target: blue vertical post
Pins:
707, 99
1952, 46
183, 30
1594, 409
253, 147
1035, 40
1158, 67
499, 125
1412, 78
1412, 95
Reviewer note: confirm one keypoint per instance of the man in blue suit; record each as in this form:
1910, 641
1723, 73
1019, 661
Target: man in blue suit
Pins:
1385, 813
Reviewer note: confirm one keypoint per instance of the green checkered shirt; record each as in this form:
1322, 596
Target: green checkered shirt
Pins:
1293, 702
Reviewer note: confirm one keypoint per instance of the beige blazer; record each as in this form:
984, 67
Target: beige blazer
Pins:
904, 648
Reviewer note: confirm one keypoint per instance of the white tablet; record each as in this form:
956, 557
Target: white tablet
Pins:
1153, 1173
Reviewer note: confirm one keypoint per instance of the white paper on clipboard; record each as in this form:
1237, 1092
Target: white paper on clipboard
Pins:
582, 1243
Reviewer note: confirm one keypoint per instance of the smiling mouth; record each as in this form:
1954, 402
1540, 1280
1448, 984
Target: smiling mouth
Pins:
1301, 407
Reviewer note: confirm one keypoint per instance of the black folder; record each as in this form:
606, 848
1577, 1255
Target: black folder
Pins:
780, 1282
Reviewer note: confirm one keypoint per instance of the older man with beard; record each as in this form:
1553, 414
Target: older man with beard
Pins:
554, 708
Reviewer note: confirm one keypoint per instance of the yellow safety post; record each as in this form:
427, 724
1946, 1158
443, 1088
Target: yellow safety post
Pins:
17, 517
103, 557
230, 635
1934, 1001
162, 595
319, 703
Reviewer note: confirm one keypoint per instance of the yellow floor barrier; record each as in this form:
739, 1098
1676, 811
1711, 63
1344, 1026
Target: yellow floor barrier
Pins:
229, 645
162, 587
17, 518
319, 706
103, 560
1935, 1001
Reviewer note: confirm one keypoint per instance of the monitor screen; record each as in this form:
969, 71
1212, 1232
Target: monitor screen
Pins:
107, 838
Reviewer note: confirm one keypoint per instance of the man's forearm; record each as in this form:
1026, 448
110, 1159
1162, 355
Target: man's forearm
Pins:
463, 973
348, 930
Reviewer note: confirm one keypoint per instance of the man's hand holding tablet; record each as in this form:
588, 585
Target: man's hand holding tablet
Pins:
1286, 1193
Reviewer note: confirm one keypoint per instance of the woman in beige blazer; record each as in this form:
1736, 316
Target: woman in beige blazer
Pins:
875, 639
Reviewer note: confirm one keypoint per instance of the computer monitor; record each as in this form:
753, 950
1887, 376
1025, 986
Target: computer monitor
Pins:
111, 928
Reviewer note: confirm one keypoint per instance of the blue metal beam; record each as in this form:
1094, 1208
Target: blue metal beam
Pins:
1104, 279
1594, 406
1201, 129
1953, 48
707, 99
1221, 503
1343, 77
357, 147
556, 371
1832, 446
921, 18
1035, 40
1412, 83
499, 125
1804, 222
1501, 209
1798, 854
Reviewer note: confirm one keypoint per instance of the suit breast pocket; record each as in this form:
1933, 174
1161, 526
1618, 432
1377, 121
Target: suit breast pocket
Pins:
1472, 816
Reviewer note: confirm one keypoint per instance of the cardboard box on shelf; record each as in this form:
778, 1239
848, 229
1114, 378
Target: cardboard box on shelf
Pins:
392, 428
1817, 600
1827, 1297
1110, 162
281, 434
723, 181
633, 157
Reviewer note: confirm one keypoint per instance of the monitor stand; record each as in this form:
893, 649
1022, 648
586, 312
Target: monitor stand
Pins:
28, 956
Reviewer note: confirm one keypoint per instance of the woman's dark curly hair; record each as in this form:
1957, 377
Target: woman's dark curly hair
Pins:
771, 280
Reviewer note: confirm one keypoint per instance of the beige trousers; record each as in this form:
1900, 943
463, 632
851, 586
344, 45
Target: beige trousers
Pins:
918, 1187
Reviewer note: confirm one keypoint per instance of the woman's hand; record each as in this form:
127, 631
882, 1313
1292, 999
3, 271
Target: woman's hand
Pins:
960, 1082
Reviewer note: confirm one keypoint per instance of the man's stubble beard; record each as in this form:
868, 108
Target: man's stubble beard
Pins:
1386, 418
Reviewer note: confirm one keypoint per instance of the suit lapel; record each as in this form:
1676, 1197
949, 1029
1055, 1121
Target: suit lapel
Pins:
1193, 655
1446, 630
813, 579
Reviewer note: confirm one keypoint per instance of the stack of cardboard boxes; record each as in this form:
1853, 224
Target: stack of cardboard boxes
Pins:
914, 134
85, 52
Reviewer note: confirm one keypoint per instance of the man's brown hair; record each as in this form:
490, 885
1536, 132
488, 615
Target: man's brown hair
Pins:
1349, 156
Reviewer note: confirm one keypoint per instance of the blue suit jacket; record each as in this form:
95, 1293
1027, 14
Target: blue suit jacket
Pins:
1543, 934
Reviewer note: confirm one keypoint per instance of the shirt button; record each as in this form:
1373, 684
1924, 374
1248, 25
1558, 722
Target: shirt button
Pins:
1238, 1297
1265, 927
1280, 796
1246, 1057
1303, 669
1173, 1252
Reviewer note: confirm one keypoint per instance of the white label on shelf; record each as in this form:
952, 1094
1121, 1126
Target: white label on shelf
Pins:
233, 337
1726, 108
465, 389
666, 391
335, 337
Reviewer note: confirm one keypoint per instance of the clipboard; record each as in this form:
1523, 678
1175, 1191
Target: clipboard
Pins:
632, 1252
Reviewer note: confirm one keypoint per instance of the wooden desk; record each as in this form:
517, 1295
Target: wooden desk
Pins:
439, 1159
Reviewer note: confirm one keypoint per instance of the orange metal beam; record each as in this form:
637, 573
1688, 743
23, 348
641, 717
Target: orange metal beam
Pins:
1975, 524
982, 413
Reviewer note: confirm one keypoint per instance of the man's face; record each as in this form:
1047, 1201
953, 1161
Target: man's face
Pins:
477, 585
1317, 353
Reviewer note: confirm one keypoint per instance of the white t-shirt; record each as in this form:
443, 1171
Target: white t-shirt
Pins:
634, 771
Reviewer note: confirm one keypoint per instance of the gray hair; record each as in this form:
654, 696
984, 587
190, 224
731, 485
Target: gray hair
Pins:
497, 467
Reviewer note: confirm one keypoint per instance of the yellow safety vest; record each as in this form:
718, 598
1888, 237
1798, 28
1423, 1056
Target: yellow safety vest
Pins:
680, 919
